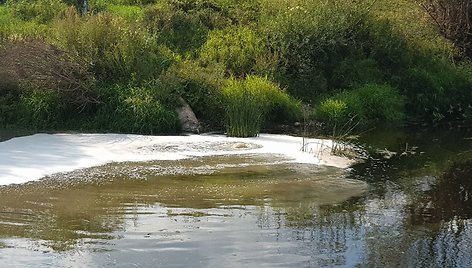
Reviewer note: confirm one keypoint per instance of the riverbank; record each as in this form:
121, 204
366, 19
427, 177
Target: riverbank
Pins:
31, 158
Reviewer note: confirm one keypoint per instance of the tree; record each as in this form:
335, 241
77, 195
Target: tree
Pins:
454, 19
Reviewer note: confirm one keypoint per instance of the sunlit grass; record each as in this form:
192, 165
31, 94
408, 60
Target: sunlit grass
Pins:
129, 13
249, 102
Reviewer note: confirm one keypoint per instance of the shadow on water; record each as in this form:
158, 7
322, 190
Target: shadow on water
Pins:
6, 134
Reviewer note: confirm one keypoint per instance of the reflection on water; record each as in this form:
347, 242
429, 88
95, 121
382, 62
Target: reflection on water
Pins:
246, 211
211, 210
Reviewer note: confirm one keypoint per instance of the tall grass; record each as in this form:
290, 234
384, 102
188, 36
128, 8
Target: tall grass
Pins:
129, 13
41, 109
41, 11
116, 50
248, 103
244, 109
12, 27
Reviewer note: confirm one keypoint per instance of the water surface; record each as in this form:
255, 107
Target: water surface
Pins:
409, 209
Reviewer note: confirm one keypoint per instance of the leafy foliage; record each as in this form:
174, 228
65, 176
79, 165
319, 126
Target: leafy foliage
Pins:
117, 51
38, 10
237, 48
438, 91
367, 104
41, 108
177, 29
127, 63
200, 87
332, 111
135, 110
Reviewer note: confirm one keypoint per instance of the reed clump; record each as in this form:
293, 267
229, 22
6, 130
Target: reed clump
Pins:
250, 101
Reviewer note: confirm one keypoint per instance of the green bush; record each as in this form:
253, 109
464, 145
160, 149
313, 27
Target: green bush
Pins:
278, 105
41, 108
127, 12
202, 14
332, 111
310, 37
12, 27
135, 110
437, 91
249, 101
181, 31
365, 105
116, 50
320, 44
200, 87
121, 2
356, 71
42, 11
237, 48
9, 102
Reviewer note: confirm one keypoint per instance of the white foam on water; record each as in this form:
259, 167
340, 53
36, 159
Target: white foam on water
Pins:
30, 158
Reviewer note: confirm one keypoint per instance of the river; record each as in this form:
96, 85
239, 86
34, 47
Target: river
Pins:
407, 205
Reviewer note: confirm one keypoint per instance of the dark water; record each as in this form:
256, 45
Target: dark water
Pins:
411, 210
6, 134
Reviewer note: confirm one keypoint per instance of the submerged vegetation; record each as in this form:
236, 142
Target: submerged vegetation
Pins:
241, 65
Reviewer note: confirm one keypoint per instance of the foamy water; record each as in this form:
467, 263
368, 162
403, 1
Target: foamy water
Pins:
33, 157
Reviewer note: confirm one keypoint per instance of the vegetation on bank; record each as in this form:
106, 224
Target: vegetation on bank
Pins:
241, 65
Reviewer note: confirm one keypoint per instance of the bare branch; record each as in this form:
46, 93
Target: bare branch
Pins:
43, 66
454, 20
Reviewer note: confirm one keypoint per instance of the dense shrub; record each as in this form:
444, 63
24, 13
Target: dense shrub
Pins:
321, 44
134, 109
366, 105
437, 91
129, 13
278, 106
243, 12
9, 100
42, 86
12, 27
249, 101
53, 58
356, 71
39, 10
183, 25
199, 86
309, 37
122, 2
41, 108
333, 112
181, 31
116, 50
237, 48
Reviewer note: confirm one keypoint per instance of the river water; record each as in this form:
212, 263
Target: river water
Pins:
409, 205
